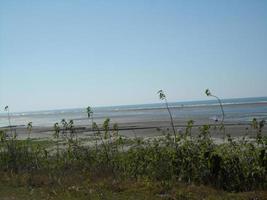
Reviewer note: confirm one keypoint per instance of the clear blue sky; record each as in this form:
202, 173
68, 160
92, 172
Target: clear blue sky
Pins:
67, 54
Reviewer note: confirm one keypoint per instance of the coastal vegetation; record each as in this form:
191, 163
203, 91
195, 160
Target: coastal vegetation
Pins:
107, 165
160, 163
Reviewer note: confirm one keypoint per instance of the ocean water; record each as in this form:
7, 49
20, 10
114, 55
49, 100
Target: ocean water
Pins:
240, 110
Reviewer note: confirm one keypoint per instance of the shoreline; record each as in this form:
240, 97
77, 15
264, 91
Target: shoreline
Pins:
143, 129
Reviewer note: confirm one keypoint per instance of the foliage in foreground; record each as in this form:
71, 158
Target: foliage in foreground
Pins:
231, 166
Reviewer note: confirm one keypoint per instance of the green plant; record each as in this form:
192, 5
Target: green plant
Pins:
9, 118
56, 136
208, 93
103, 140
163, 97
90, 114
71, 127
189, 127
29, 129
64, 127
258, 126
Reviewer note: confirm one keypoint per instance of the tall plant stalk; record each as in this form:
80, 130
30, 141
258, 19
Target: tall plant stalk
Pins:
56, 136
29, 128
208, 93
90, 115
102, 140
8, 116
162, 96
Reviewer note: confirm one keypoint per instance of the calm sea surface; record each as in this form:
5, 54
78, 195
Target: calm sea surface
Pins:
236, 110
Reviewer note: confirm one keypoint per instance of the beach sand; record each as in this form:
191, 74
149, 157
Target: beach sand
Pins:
145, 129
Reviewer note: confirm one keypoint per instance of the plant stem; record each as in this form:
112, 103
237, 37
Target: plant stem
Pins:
172, 124
220, 102
223, 115
9, 121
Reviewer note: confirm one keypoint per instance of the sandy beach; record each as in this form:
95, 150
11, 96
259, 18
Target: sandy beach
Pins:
145, 129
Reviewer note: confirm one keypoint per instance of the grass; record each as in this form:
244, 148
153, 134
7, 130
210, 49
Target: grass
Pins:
85, 186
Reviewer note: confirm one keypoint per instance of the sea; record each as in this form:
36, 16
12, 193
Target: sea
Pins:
238, 110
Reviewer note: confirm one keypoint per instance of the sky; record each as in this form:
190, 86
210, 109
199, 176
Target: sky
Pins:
68, 54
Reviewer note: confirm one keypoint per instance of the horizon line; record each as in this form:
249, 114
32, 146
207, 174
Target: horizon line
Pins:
106, 106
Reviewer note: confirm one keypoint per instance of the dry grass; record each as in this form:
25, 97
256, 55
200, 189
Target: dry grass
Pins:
81, 185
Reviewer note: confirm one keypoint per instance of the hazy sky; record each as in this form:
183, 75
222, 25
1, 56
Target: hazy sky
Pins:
66, 54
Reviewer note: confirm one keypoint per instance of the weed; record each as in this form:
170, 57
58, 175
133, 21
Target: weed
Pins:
163, 97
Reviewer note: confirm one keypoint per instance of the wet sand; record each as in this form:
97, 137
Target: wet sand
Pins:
145, 129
